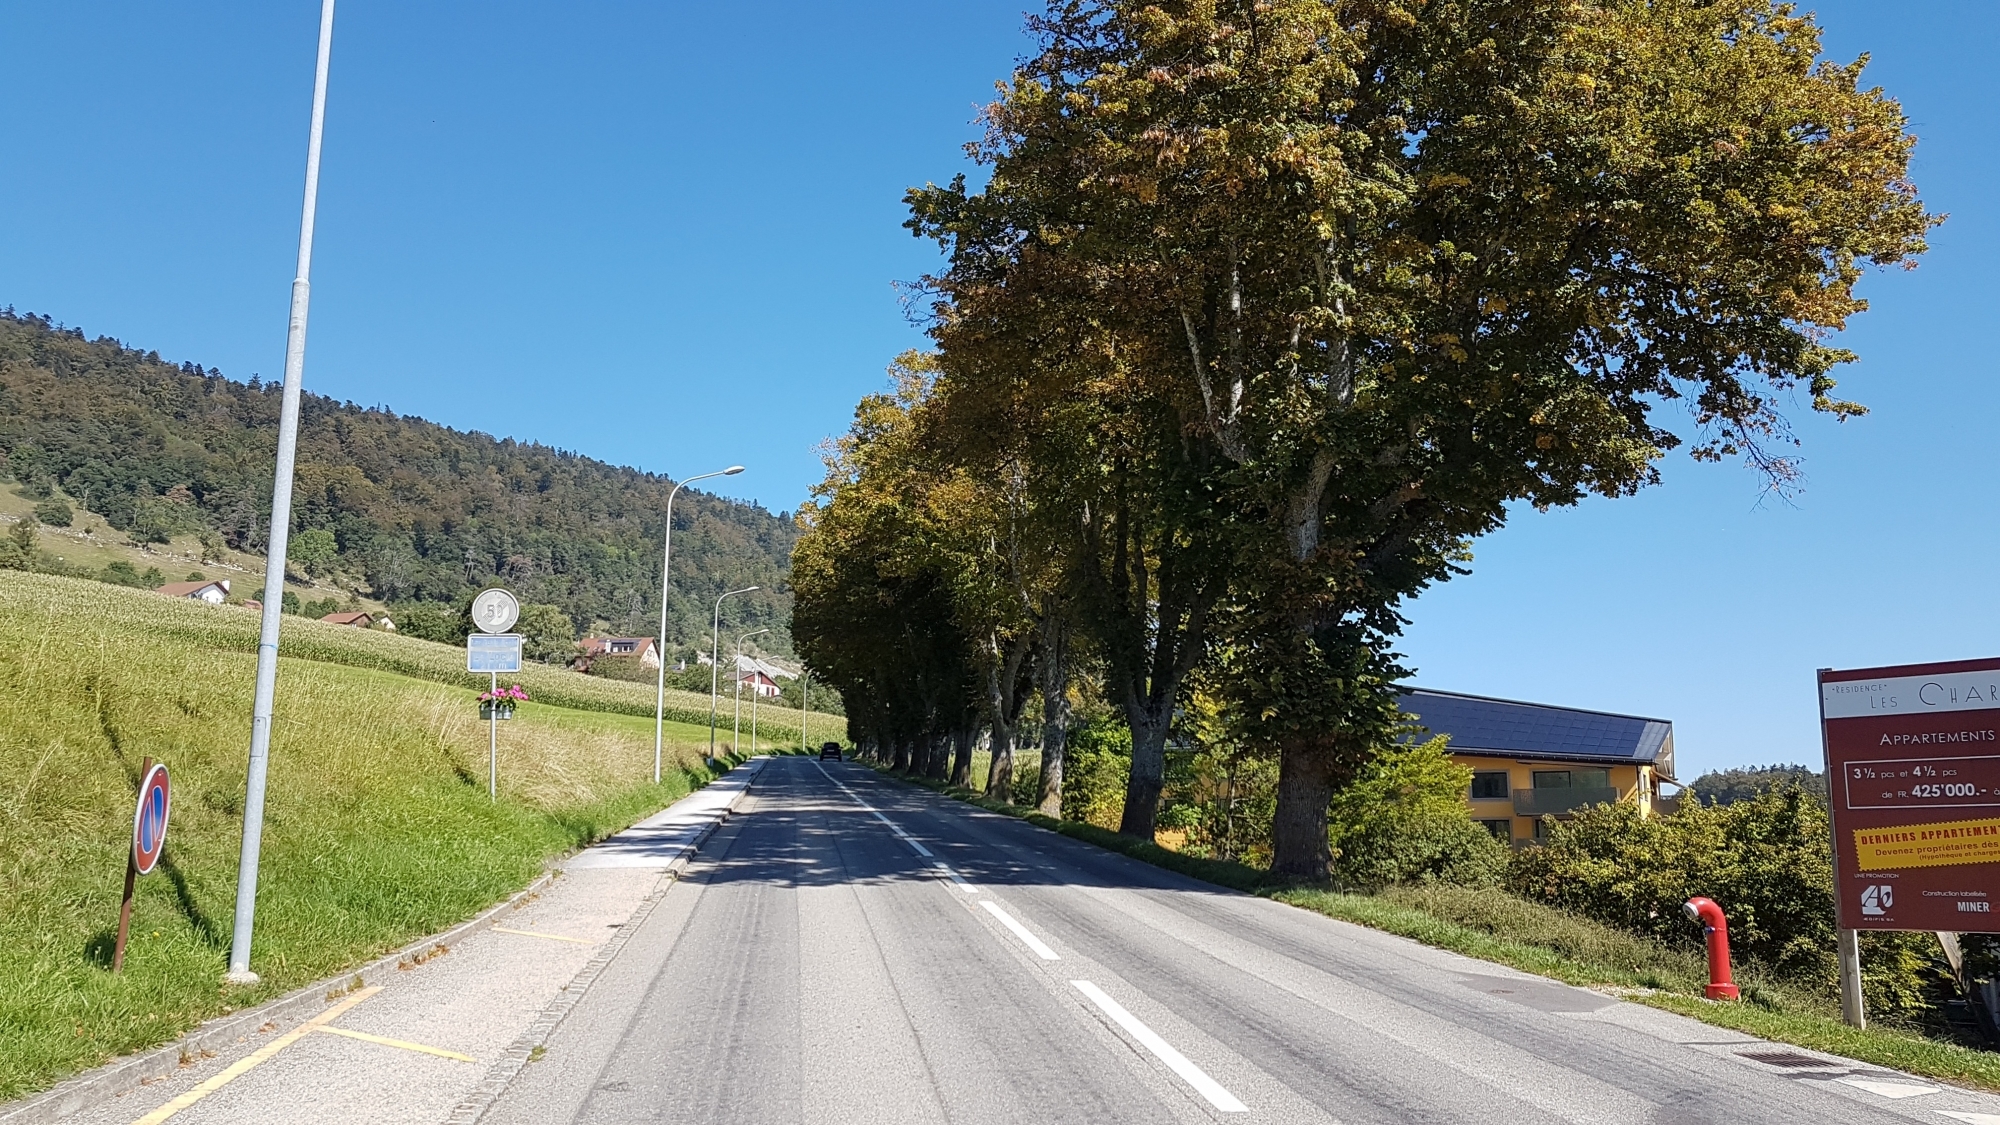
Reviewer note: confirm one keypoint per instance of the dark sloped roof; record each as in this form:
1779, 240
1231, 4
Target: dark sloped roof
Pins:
1504, 726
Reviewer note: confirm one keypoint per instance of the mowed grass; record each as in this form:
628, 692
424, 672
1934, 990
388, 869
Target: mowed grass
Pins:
378, 828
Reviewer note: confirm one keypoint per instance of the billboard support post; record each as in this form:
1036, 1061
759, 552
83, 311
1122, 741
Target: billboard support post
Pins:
1851, 1008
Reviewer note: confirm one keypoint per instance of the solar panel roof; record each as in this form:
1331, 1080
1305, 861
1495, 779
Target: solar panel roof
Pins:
1479, 724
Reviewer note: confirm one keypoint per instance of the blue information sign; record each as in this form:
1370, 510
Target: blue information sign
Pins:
493, 652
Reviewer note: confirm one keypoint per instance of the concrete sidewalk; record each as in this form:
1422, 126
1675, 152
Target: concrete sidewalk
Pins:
428, 1040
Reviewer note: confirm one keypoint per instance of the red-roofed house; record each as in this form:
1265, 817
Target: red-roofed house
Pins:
358, 620
214, 593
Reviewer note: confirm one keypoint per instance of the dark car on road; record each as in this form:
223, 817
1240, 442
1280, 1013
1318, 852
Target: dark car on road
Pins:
829, 750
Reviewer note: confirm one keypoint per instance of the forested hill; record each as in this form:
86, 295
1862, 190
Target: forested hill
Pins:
417, 511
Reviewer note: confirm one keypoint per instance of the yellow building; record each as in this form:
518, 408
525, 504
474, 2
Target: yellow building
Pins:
1530, 760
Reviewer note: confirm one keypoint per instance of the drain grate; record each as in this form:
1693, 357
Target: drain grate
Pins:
1789, 1059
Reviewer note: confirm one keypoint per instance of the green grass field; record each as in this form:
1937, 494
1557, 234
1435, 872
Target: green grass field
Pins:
378, 825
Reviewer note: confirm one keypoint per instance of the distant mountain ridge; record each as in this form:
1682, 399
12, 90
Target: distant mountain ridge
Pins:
416, 511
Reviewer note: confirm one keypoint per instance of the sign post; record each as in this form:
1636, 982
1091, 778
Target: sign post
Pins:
493, 650
1913, 786
149, 839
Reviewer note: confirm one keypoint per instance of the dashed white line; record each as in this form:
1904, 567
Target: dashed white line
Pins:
893, 826
1188, 1072
1027, 937
1164, 1051
955, 877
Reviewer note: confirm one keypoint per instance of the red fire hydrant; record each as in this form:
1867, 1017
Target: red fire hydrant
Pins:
1716, 928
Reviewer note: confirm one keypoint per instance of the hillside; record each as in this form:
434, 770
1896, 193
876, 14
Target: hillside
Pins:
181, 457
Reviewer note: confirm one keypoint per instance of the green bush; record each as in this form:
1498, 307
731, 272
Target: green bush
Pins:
1403, 820
1421, 849
1765, 859
547, 634
1095, 766
314, 551
121, 573
17, 550
432, 621
55, 511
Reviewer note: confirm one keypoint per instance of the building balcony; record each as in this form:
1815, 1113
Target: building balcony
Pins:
1557, 802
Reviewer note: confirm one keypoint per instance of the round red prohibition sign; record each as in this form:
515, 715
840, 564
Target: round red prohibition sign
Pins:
149, 823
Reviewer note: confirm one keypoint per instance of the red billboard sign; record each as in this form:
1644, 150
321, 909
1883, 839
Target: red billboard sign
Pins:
1913, 781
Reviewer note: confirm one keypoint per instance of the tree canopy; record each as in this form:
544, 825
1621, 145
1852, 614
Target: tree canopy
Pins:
1275, 305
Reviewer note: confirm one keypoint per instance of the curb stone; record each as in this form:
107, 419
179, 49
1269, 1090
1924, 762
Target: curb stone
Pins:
100, 1085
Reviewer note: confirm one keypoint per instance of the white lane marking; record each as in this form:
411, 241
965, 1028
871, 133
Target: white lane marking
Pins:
1028, 939
1164, 1051
893, 826
1889, 1089
955, 877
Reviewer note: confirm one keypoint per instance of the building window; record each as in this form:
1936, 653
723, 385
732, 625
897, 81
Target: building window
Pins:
1572, 779
1502, 829
1489, 785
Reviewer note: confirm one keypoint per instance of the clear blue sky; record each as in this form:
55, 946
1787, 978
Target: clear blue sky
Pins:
666, 235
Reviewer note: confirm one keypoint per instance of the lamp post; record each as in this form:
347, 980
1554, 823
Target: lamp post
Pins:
715, 665
660, 643
264, 700
736, 731
805, 681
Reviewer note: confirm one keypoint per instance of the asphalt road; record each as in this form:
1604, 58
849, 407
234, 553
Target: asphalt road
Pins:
848, 949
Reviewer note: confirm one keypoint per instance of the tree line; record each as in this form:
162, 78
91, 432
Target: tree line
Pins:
1267, 309
413, 513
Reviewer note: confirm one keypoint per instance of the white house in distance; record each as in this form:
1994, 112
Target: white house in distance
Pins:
761, 677
214, 593
641, 648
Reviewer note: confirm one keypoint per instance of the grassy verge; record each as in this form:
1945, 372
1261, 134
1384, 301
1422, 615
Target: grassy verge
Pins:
378, 826
1498, 927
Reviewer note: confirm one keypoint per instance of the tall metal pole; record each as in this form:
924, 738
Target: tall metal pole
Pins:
805, 681
736, 731
660, 642
281, 525
715, 666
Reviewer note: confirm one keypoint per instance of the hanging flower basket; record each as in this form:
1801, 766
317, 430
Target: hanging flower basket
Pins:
500, 704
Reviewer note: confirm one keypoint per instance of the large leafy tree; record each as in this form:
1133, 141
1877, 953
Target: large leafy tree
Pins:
1390, 267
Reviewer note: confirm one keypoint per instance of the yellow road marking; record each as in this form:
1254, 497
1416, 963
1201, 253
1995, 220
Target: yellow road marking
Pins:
403, 1043
240, 1066
551, 937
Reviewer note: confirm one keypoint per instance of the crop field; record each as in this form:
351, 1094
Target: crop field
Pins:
378, 825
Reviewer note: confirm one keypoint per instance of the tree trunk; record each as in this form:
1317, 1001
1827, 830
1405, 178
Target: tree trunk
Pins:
961, 753
937, 757
1305, 789
1148, 776
899, 754
1055, 714
1000, 768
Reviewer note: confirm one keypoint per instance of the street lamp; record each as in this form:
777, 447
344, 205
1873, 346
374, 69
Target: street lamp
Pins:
263, 700
659, 643
736, 731
715, 665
